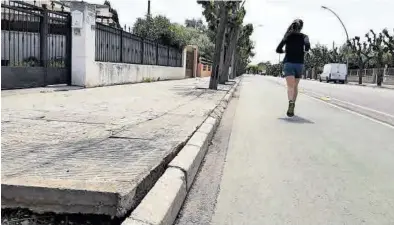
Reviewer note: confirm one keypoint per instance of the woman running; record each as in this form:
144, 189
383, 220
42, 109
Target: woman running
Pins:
296, 44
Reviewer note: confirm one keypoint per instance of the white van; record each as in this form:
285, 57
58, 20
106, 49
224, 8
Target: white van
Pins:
334, 72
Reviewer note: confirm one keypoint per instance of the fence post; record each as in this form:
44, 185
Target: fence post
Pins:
121, 46
385, 73
168, 56
142, 51
176, 59
83, 53
157, 53
68, 49
44, 41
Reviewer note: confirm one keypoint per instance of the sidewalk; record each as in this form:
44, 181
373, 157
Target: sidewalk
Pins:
387, 86
96, 150
373, 85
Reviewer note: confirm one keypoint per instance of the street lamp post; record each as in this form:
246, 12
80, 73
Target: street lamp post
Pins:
347, 36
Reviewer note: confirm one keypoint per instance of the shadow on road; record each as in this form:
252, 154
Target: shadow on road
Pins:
296, 119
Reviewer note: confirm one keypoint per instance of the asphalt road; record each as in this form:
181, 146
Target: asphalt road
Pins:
375, 102
325, 166
375, 98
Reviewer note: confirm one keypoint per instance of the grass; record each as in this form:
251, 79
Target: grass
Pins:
147, 80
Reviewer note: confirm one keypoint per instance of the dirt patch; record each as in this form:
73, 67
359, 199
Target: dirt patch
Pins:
26, 217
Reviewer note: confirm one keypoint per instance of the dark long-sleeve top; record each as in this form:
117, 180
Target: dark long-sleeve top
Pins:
296, 46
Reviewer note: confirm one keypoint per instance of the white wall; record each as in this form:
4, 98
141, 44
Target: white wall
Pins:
120, 73
87, 72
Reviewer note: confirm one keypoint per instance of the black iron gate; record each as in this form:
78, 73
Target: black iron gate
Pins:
35, 45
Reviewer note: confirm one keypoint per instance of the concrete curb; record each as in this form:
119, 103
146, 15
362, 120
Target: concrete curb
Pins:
163, 202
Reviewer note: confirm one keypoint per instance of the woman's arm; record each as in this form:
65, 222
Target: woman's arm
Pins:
279, 49
307, 43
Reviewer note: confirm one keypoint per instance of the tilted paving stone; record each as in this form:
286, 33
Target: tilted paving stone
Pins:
104, 139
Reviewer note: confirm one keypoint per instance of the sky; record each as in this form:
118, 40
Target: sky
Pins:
272, 17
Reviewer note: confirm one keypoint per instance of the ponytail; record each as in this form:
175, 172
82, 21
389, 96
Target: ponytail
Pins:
294, 27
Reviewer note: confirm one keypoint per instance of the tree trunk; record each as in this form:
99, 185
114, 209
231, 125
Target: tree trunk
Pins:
222, 57
379, 77
379, 74
235, 65
392, 57
232, 65
213, 84
360, 75
313, 73
234, 34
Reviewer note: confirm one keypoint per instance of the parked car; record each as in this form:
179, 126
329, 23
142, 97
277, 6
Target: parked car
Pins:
334, 72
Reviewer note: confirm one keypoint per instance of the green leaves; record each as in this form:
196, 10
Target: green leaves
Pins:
196, 24
382, 48
115, 16
319, 56
210, 12
245, 47
270, 69
376, 50
160, 28
236, 14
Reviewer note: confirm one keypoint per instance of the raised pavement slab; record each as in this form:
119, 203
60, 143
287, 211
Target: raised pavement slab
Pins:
97, 150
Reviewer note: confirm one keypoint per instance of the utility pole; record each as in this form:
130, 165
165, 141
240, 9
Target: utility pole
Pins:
148, 7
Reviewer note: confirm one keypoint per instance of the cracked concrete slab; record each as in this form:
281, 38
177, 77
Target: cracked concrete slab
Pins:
96, 150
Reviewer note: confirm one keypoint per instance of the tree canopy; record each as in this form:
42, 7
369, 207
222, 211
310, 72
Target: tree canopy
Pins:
161, 29
115, 16
156, 28
196, 24
375, 50
245, 45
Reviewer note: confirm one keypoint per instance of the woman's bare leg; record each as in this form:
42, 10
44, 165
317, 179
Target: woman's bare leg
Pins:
291, 94
297, 81
291, 84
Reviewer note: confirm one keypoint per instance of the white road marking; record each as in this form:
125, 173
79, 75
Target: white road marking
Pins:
353, 112
366, 108
349, 103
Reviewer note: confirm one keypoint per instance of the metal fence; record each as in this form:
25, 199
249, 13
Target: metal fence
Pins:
33, 35
370, 75
118, 46
389, 71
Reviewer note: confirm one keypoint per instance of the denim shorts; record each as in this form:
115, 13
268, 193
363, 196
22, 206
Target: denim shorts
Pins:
293, 69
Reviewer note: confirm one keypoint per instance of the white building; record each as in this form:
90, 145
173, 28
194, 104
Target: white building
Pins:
103, 14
